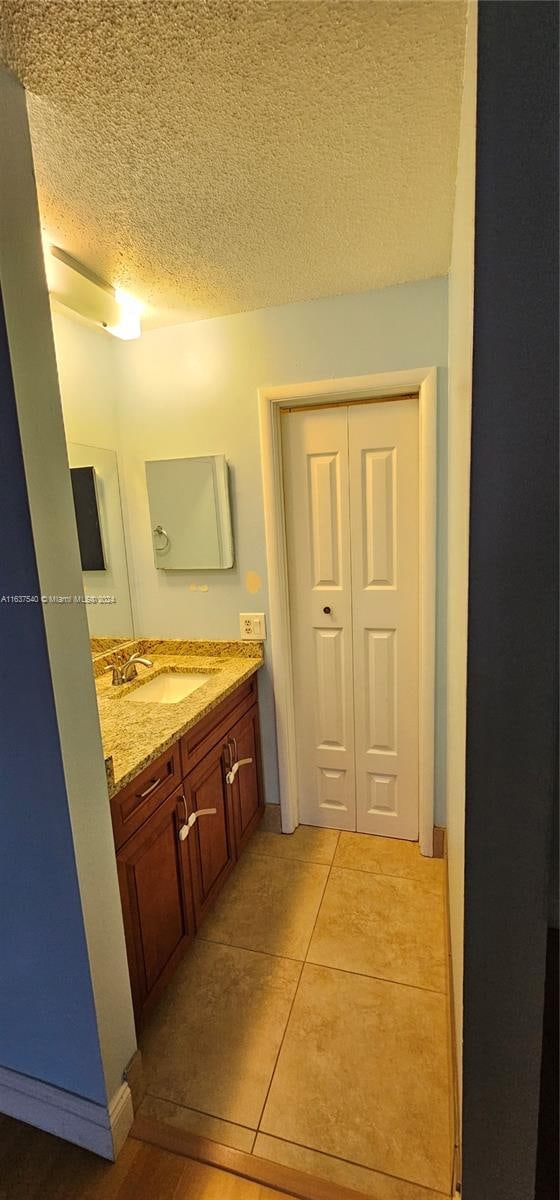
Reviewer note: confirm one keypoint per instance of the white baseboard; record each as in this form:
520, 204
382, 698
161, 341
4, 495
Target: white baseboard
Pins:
96, 1128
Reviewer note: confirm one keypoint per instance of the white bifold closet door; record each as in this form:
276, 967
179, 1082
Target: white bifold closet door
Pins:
352, 528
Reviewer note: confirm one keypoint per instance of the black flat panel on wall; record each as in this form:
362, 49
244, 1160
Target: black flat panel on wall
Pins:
87, 518
512, 647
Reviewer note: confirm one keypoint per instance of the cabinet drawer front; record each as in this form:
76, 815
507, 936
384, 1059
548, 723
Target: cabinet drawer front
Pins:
196, 743
139, 799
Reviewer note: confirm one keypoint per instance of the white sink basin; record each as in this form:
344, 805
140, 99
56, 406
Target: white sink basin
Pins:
168, 688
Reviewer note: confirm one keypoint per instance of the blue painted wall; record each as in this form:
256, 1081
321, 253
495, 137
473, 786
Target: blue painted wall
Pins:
47, 1018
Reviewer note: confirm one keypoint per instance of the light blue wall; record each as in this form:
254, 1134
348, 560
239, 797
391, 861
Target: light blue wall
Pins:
192, 389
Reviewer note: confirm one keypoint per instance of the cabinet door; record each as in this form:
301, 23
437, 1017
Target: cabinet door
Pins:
211, 838
155, 885
247, 790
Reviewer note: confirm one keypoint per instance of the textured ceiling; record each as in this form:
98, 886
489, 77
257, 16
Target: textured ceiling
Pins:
214, 156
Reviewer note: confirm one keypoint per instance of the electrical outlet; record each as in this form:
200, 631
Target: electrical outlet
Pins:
252, 627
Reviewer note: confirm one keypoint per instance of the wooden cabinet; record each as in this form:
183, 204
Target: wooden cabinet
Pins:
211, 837
155, 884
247, 791
143, 795
176, 845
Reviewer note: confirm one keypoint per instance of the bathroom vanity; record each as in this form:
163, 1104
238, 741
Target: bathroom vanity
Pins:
185, 789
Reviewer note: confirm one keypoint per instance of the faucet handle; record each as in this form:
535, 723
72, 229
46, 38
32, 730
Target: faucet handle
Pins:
116, 673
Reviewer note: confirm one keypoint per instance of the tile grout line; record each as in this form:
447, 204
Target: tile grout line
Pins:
327, 966
248, 949
296, 990
285, 858
339, 866
201, 1112
351, 1162
417, 987
322, 898
294, 996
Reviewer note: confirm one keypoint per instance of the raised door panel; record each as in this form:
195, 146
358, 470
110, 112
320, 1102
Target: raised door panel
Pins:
384, 538
155, 885
247, 790
315, 467
211, 837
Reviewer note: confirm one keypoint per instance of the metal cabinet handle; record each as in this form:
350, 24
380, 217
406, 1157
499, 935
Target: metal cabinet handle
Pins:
154, 784
228, 750
201, 812
184, 830
241, 762
159, 531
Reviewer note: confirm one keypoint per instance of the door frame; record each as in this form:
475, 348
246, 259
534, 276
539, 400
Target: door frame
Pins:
359, 387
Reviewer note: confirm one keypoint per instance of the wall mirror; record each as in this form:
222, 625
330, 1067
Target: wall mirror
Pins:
190, 513
97, 502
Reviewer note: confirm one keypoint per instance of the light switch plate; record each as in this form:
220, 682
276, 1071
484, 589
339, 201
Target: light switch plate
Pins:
252, 627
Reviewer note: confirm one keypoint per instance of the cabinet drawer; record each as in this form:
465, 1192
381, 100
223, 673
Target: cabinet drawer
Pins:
196, 743
140, 798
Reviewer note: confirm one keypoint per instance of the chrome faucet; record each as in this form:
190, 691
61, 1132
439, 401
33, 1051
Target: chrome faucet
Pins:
124, 672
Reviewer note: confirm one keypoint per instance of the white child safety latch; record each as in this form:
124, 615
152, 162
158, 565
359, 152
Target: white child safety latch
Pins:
202, 812
233, 771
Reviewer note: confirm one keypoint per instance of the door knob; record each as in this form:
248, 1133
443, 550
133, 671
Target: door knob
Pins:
326, 609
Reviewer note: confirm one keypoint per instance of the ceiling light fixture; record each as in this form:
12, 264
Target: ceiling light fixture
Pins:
128, 327
74, 286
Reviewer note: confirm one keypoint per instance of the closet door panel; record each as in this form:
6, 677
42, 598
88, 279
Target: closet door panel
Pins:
384, 539
315, 463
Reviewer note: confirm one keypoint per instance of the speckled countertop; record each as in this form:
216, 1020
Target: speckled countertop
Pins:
135, 734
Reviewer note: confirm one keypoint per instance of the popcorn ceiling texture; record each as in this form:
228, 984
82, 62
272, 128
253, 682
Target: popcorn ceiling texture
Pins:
214, 156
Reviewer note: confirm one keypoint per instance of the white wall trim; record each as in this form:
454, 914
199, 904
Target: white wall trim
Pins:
96, 1128
271, 401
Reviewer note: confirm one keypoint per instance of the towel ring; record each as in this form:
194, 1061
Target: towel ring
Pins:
159, 531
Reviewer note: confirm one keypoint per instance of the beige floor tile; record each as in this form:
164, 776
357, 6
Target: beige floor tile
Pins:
308, 844
363, 1075
389, 856
268, 904
384, 926
212, 1042
324, 1166
271, 821
188, 1119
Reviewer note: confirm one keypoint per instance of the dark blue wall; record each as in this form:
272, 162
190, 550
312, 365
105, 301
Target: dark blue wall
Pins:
512, 654
47, 1017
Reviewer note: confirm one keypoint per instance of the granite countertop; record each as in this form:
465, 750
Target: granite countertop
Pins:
135, 734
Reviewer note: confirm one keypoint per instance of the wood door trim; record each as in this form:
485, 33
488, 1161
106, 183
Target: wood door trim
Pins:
293, 1183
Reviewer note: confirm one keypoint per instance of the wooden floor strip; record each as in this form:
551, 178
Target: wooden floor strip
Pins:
248, 1166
